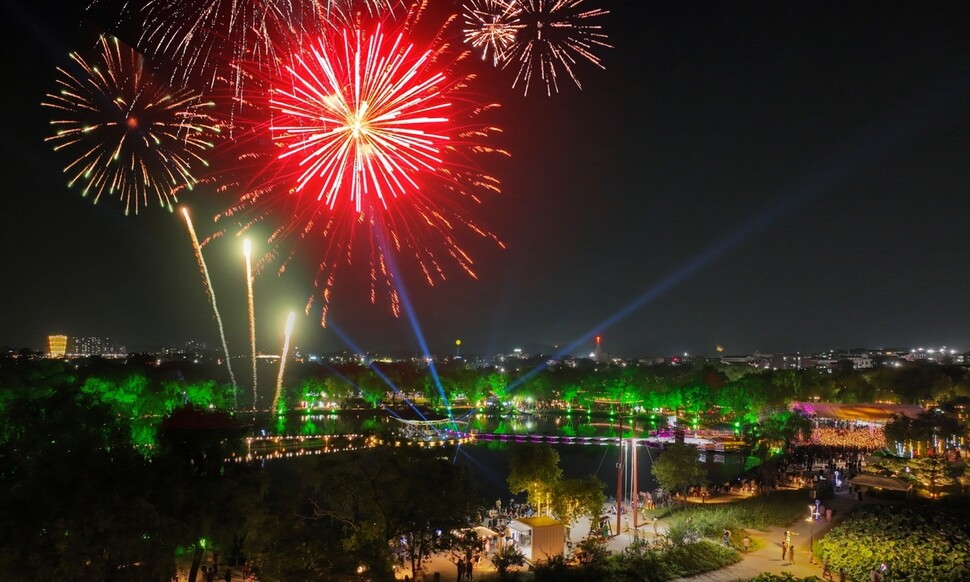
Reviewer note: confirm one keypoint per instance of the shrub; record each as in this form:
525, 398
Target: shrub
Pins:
506, 558
924, 540
703, 556
783, 577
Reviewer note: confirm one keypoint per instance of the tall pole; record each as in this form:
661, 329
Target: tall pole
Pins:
633, 468
619, 480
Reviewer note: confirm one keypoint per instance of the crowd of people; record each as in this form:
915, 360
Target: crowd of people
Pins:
867, 438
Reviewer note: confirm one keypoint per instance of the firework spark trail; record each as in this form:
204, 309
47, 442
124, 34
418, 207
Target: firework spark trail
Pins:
555, 36
491, 26
131, 136
252, 312
371, 140
290, 321
210, 293
207, 39
368, 131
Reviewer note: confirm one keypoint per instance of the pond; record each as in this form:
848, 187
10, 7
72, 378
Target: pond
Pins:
487, 460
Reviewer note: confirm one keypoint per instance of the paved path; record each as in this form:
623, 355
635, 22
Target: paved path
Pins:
768, 558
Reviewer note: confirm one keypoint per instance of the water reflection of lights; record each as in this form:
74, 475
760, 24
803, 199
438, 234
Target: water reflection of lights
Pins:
270, 448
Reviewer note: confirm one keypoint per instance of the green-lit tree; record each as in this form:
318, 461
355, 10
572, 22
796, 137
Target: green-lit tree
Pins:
75, 494
678, 469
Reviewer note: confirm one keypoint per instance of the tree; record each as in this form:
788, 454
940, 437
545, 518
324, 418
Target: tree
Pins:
776, 432
370, 501
678, 468
75, 493
932, 473
534, 469
575, 498
207, 498
931, 429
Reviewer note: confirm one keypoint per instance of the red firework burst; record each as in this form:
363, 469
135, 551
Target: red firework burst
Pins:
374, 138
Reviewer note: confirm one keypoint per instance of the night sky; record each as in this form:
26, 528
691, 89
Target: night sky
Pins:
773, 176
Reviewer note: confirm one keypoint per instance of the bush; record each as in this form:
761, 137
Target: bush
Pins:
781, 508
922, 540
696, 558
641, 562
506, 558
784, 577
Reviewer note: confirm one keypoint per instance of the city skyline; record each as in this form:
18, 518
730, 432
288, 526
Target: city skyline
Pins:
747, 175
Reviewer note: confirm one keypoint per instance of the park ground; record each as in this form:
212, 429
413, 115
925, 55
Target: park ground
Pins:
766, 558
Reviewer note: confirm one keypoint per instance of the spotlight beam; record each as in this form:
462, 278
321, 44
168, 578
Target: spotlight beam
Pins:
412, 318
373, 367
904, 122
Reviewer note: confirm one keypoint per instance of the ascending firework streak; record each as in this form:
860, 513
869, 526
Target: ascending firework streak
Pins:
252, 312
290, 320
210, 294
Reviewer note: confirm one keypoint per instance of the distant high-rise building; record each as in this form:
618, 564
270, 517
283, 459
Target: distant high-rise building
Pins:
97, 346
56, 346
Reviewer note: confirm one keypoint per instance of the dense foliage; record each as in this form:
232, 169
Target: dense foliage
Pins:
641, 562
919, 541
678, 468
81, 501
709, 521
785, 577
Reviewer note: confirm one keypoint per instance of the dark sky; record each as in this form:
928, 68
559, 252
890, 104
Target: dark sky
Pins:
763, 175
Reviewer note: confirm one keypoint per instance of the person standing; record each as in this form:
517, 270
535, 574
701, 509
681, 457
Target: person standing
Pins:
655, 526
468, 568
461, 569
791, 554
826, 573
228, 576
784, 550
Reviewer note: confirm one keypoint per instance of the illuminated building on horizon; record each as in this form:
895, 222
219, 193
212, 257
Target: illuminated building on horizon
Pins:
97, 346
56, 346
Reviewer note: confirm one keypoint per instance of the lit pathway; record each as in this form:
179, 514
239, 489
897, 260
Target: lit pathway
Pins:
768, 558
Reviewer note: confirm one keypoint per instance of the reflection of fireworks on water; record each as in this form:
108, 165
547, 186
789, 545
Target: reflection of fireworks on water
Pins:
555, 36
209, 291
290, 321
367, 140
252, 311
131, 136
491, 26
